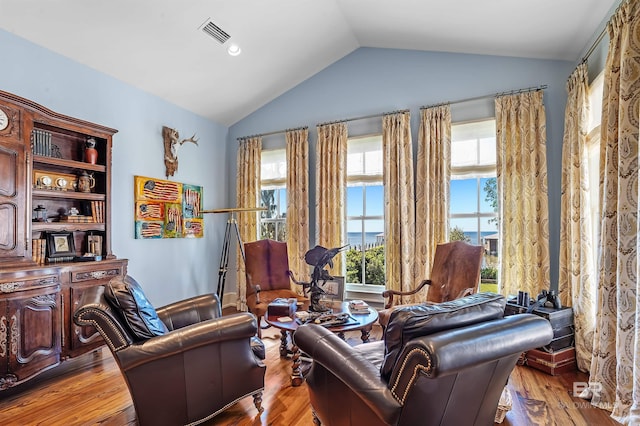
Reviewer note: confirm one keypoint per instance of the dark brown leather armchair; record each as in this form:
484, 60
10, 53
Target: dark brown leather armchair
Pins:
186, 369
440, 364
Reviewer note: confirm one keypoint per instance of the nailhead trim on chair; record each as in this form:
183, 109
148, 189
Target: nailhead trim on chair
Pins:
419, 368
212, 415
104, 334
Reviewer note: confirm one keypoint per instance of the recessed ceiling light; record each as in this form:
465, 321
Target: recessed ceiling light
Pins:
234, 49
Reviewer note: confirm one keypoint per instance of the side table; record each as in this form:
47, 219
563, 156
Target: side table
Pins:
362, 322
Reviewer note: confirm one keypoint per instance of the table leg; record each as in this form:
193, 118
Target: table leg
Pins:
296, 374
341, 335
364, 334
283, 344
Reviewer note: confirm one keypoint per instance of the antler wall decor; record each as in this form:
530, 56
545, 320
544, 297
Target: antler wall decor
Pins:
172, 144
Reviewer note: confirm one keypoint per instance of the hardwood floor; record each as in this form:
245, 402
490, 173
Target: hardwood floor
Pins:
89, 390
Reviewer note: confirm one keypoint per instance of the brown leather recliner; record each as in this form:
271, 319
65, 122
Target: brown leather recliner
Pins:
183, 363
441, 364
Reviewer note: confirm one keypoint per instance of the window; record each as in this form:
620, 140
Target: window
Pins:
365, 212
473, 212
593, 151
273, 194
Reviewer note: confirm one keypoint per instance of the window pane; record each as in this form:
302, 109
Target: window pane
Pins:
364, 155
354, 233
282, 207
464, 196
375, 200
355, 164
268, 230
273, 164
464, 153
374, 255
355, 200
268, 200
488, 195
463, 229
487, 151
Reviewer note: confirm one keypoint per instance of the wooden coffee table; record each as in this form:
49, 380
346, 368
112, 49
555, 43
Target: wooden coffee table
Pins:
362, 322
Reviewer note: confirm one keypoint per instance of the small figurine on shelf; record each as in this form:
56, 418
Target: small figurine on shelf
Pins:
90, 152
86, 182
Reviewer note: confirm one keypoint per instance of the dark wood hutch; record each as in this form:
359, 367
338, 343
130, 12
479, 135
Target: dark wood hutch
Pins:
42, 156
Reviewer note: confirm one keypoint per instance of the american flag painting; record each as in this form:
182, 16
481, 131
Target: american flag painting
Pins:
166, 209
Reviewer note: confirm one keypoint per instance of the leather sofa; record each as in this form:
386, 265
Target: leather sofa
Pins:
440, 364
183, 363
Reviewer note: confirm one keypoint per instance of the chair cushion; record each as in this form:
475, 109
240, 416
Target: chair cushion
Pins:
126, 297
421, 320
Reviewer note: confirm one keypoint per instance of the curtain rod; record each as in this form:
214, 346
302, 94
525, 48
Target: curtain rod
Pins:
275, 132
364, 117
493, 95
602, 34
594, 45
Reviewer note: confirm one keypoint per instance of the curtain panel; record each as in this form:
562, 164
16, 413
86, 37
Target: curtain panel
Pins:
399, 201
577, 273
248, 190
522, 188
331, 180
298, 202
615, 365
432, 189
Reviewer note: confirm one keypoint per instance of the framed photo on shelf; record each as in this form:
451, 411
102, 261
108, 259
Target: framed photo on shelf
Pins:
334, 288
60, 244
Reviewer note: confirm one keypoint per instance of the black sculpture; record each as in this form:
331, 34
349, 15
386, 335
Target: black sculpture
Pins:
319, 257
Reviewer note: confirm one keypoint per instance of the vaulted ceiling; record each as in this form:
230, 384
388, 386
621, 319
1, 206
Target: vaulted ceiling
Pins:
160, 47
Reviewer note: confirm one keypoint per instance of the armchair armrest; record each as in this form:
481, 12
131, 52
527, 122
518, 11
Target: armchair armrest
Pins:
232, 327
391, 293
190, 311
353, 369
96, 312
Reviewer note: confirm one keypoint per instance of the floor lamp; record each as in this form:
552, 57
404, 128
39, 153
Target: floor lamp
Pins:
229, 232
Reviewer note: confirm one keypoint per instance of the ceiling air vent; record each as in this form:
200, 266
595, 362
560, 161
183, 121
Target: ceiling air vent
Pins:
215, 31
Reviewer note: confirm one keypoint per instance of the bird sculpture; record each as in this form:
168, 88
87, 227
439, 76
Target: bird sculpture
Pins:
319, 257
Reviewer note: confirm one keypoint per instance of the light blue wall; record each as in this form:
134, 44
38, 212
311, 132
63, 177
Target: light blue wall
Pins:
372, 81
168, 269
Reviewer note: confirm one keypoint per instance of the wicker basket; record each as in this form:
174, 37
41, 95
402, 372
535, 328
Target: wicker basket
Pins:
504, 405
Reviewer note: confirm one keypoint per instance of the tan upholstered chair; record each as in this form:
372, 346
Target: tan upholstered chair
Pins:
267, 273
455, 273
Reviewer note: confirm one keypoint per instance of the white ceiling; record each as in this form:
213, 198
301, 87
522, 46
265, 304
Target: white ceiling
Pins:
157, 45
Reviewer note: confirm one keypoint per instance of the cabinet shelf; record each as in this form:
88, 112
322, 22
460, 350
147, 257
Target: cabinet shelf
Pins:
66, 226
47, 193
61, 162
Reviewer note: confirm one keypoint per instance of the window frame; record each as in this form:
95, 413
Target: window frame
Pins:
277, 184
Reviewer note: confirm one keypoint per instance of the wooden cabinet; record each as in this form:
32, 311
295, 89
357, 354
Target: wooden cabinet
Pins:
45, 166
30, 318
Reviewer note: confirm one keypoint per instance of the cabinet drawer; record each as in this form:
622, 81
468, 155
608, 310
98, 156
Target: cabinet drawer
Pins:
97, 273
13, 284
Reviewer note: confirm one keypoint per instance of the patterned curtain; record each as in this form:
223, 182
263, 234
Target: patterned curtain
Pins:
331, 179
432, 188
298, 202
399, 201
248, 189
577, 274
615, 365
522, 185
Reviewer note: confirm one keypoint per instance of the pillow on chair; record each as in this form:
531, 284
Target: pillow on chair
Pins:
425, 319
127, 297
